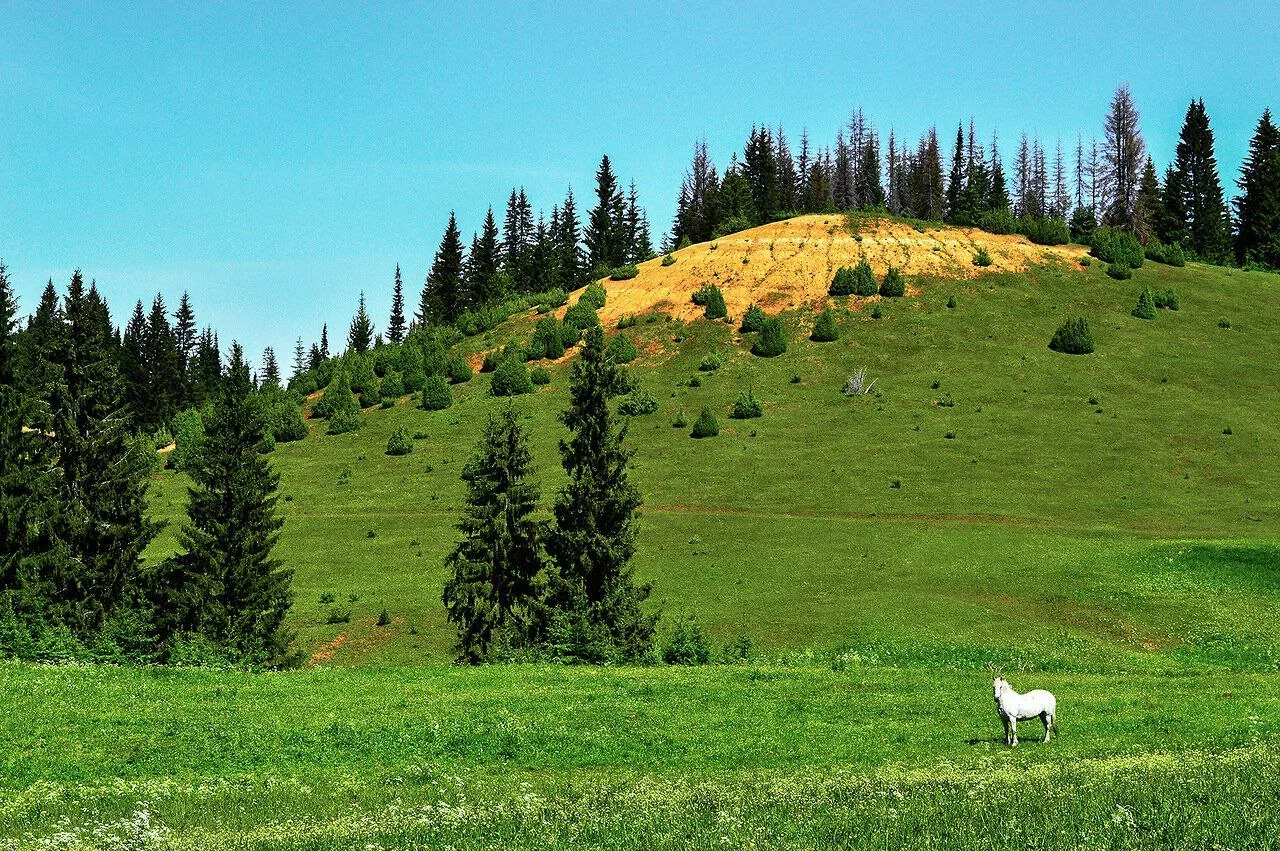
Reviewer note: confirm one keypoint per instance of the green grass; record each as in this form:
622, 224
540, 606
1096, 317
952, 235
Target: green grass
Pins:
1090, 529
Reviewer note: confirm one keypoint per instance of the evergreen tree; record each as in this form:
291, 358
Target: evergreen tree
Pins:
42, 343
639, 242
395, 324
1150, 210
517, 239
1208, 231
592, 595
496, 564
869, 188
270, 370
735, 208
1258, 205
133, 368
696, 209
360, 334
998, 200
1125, 152
605, 232
102, 524
788, 180
299, 360
208, 370
955, 213
225, 585
567, 238
761, 171
186, 337
482, 264
324, 341
164, 367
441, 300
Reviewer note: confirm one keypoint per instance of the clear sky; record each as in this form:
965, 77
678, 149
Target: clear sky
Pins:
275, 159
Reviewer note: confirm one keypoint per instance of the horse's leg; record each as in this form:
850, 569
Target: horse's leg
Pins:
1013, 728
1048, 722
1008, 740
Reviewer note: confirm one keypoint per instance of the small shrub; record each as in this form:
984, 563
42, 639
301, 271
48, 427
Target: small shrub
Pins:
339, 614
624, 273
1224, 323
706, 425
550, 300
581, 316
747, 407
668, 260
326, 598
344, 421
1119, 271
491, 360
752, 320
638, 403
712, 301
710, 363
982, 258
458, 370
795, 379
384, 617
824, 329
679, 421
400, 443
1227, 431
1170, 255
843, 283
1073, 337
951, 302
391, 389
893, 286
1166, 300
595, 294
548, 340
877, 312
1146, 307
999, 222
622, 350
511, 378
540, 375
864, 280
771, 341
1085, 262
687, 645
737, 651
695, 381
1046, 231
1112, 245
436, 395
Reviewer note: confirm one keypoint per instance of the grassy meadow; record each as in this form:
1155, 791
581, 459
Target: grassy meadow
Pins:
1104, 526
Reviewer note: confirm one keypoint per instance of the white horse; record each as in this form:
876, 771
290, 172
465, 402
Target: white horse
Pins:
1013, 707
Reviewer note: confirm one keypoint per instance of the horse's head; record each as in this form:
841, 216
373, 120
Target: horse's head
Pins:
998, 685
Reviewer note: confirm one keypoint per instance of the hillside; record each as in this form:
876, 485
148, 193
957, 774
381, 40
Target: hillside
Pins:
789, 264
989, 486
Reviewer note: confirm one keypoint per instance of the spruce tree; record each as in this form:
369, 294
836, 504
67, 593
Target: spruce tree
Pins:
1125, 153
495, 565
517, 239
299, 360
163, 362
225, 584
324, 341
604, 235
42, 344
1258, 205
360, 334
869, 188
482, 265
186, 336
573, 271
1207, 227
134, 370
955, 213
593, 599
1149, 212
441, 300
208, 370
395, 323
270, 370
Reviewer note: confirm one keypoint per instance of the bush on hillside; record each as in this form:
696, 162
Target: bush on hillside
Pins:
711, 362
188, 439
981, 257
1166, 300
436, 395
668, 260
581, 316
1119, 271
1146, 307
637, 403
1073, 337
400, 443
1083, 225
1170, 255
679, 421
686, 645
548, 301
752, 320
540, 375
511, 378
622, 350
458, 370
336, 399
624, 273
824, 329
705, 425
712, 301
391, 389
864, 280
893, 286
1045, 231
747, 407
549, 339
771, 341
595, 294
344, 421
842, 283
1112, 245
998, 221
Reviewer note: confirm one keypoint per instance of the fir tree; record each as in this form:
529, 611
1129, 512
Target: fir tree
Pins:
1125, 152
517, 239
869, 188
998, 200
208, 370
270, 370
395, 324
955, 213
186, 336
567, 238
164, 367
1207, 228
225, 585
592, 595
360, 334
495, 565
482, 265
1150, 209
299, 360
324, 341
761, 171
133, 367
42, 343
441, 300
605, 232
1258, 205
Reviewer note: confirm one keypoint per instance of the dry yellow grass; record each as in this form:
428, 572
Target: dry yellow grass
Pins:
790, 264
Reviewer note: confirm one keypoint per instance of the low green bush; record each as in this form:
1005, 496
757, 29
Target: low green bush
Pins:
982, 257
436, 395
548, 301
712, 301
638, 403
344, 421
1146, 307
893, 286
1045, 231
771, 341
705, 425
1170, 255
686, 645
1112, 245
392, 388
864, 280
548, 339
1073, 337
540, 375
747, 407
711, 362
824, 328
998, 221
511, 378
400, 443
581, 316
1166, 300
458, 370
622, 350
595, 294
842, 283
679, 421
1119, 271
624, 273
951, 302
752, 320
668, 260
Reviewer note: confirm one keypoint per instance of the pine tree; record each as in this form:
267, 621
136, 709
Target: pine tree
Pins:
517, 239
324, 341
133, 368
299, 360
42, 343
592, 594
360, 334
568, 250
1149, 211
395, 324
1207, 227
270, 370
225, 585
482, 265
605, 232
186, 336
208, 369
102, 524
869, 188
441, 300
496, 564
639, 243
163, 362
788, 181
955, 213
1125, 152
1258, 205
998, 200
761, 171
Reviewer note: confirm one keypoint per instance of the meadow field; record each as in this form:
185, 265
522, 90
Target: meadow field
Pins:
1104, 526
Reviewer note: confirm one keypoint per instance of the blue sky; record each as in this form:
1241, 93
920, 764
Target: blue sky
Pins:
276, 159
